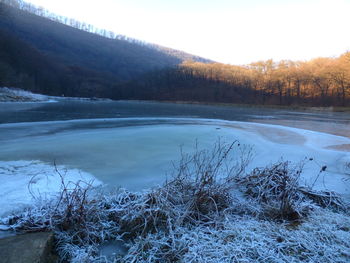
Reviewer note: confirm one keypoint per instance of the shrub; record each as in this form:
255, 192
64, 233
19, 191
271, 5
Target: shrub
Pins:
276, 188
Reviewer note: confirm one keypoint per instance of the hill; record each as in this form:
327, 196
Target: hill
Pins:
54, 55
42, 55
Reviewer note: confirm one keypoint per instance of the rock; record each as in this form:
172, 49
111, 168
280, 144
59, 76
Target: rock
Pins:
28, 248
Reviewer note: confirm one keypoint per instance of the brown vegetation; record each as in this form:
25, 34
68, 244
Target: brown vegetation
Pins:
321, 82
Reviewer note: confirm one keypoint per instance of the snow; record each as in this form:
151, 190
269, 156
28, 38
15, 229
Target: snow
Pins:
19, 95
23, 182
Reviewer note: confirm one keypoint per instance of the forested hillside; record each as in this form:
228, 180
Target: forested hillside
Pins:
55, 55
39, 54
319, 82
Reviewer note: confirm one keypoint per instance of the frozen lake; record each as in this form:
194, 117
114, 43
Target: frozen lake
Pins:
133, 144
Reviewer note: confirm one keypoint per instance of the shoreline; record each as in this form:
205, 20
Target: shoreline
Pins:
266, 106
14, 95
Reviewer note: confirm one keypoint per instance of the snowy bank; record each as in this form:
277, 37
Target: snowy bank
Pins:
18, 95
23, 182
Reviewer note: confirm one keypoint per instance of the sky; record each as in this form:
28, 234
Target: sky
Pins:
228, 31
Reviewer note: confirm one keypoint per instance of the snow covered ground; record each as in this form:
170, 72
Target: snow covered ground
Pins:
23, 182
139, 157
18, 95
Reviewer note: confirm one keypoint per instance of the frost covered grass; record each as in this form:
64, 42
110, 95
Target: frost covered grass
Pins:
210, 210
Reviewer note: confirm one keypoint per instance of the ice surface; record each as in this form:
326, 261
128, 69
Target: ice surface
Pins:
24, 181
140, 156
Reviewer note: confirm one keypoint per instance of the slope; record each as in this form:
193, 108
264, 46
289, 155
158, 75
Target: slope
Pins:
72, 61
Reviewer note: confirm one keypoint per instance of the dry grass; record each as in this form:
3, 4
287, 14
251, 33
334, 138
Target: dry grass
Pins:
199, 215
276, 188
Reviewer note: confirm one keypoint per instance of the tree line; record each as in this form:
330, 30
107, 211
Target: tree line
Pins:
40, 11
318, 82
321, 81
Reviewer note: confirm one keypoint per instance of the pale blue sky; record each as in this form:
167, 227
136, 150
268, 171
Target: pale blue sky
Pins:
235, 32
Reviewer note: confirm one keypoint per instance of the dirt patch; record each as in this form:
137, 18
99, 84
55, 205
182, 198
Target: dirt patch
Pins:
338, 129
272, 134
281, 136
340, 147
